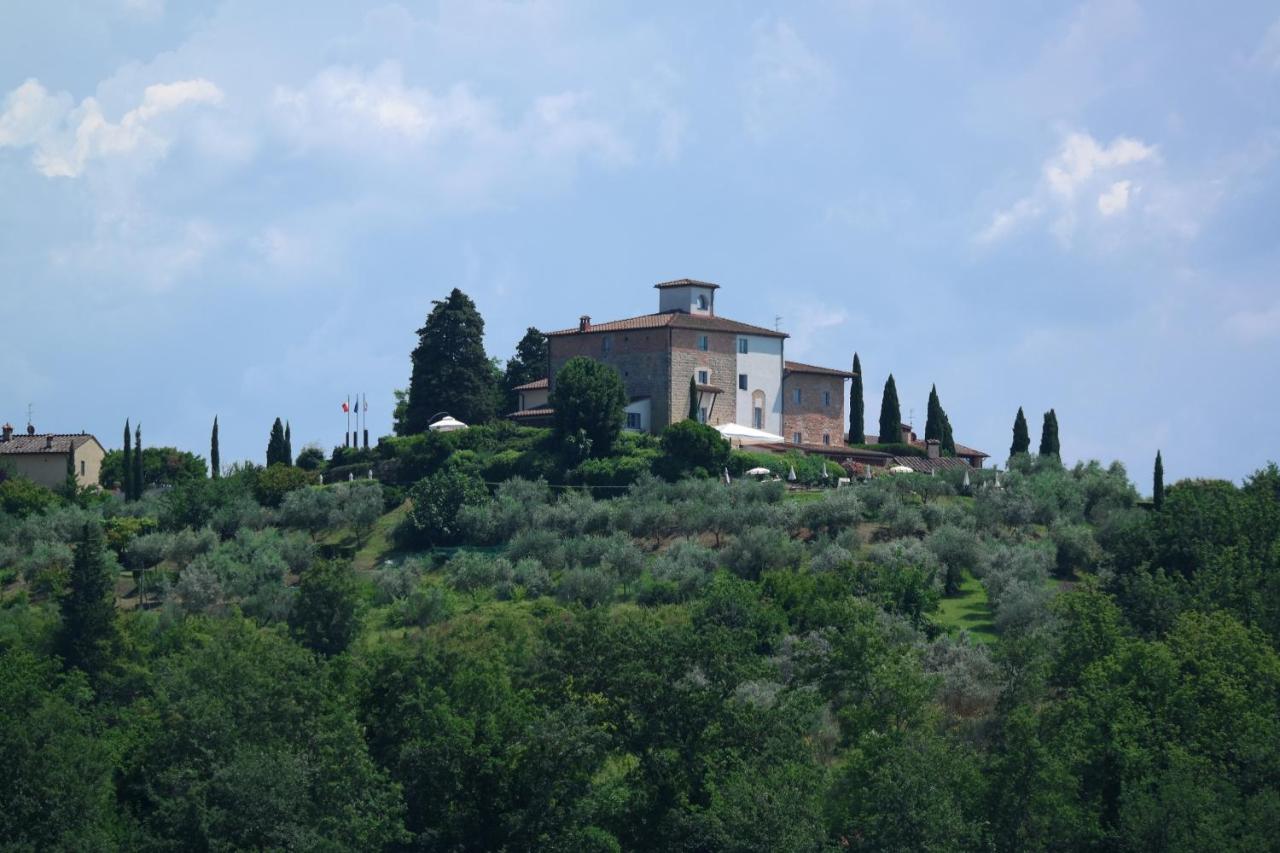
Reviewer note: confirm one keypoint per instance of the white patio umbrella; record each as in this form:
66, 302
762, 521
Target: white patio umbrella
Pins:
447, 424
757, 472
748, 435
900, 469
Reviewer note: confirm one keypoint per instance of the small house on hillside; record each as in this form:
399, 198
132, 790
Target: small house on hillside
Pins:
42, 457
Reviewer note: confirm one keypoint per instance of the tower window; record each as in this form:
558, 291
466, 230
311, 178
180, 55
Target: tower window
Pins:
701, 302
704, 343
826, 398
742, 381
704, 377
742, 346
798, 396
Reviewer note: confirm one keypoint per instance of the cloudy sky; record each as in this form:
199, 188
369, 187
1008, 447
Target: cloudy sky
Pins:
246, 209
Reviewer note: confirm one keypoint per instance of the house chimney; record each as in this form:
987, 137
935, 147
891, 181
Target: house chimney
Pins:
933, 448
6, 433
907, 434
48, 442
584, 323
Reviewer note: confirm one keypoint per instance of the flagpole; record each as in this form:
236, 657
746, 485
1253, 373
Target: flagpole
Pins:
347, 436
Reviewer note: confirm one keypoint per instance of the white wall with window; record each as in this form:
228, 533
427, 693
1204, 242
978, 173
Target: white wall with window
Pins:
760, 360
638, 416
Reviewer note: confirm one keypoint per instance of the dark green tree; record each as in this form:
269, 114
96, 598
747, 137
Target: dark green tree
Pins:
88, 630
277, 450
692, 448
451, 372
1021, 437
126, 478
325, 616
1157, 491
71, 484
890, 414
215, 460
588, 400
530, 363
288, 444
948, 438
137, 473
933, 421
438, 501
693, 399
1049, 435
857, 420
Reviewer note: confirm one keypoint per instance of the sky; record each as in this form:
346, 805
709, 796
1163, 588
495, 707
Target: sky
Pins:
246, 210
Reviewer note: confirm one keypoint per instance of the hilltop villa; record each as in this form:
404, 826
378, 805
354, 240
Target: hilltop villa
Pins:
43, 457
740, 372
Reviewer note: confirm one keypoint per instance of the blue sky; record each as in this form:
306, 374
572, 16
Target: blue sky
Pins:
245, 209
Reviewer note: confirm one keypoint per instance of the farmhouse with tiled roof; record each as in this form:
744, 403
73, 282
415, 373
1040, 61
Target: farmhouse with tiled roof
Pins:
43, 457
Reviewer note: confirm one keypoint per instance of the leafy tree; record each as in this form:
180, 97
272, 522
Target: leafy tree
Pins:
310, 458
137, 474
1157, 490
21, 497
890, 414
589, 401
692, 448
325, 616
451, 372
277, 480
694, 413
88, 630
161, 466
1021, 438
215, 458
277, 447
126, 473
529, 364
1049, 435
857, 424
438, 501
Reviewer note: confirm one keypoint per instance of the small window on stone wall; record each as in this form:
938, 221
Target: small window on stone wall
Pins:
797, 396
704, 377
826, 438
704, 343
606, 343
826, 398
795, 438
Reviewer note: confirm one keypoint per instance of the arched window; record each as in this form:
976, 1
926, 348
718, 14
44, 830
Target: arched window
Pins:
702, 302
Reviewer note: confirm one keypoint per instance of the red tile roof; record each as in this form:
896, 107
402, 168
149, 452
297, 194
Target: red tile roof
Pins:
675, 320
541, 412
536, 385
61, 443
798, 367
686, 282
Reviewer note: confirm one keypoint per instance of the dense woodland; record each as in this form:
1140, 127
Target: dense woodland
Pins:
678, 665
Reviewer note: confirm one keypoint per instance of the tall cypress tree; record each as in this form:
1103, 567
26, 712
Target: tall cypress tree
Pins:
215, 459
890, 414
288, 443
693, 399
531, 362
948, 440
1049, 435
126, 473
275, 445
1157, 491
137, 462
1021, 437
857, 422
88, 613
451, 372
933, 420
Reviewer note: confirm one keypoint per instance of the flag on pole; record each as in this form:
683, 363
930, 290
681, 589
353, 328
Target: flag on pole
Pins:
357, 404
346, 408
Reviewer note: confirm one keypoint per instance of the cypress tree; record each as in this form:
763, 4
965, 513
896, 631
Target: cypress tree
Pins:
276, 445
1157, 491
215, 459
857, 423
88, 613
1021, 437
948, 440
693, 399
890, 414
933, 421
451, 372
137, 462
531, 362
288, 443
1049, 435
126, 471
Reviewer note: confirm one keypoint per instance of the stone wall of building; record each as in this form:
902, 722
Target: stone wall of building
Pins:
810, 417
640, 357
720, 360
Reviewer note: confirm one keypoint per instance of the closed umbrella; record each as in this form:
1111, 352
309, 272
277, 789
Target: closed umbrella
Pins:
792, 476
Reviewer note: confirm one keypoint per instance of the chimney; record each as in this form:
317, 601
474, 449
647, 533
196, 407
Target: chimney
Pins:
7, 432
48, 442
907, 434
584, 323
934, 448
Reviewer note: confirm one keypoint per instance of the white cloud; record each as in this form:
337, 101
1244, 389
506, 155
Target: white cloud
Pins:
1081, 168
1254, 326
65, 138
788, 80
1115, 199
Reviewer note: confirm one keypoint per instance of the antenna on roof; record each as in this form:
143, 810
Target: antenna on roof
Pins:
29, 414
777, 322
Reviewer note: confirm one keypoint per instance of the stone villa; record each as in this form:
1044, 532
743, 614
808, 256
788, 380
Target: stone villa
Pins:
42, 457
740, 373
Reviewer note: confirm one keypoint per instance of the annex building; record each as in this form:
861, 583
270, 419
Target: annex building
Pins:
740, 373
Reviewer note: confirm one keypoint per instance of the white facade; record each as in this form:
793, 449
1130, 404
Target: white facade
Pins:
689, 299
762, 364
639, 415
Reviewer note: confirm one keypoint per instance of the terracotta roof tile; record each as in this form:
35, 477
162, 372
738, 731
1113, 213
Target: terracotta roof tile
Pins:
61, 443
536, 385
541, 412
673, 319
799, 367
686, 282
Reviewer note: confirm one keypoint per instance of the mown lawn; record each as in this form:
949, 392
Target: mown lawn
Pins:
968, 611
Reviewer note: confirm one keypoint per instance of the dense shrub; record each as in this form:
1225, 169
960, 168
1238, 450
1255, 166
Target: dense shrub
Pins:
21, 497
276, 481
692, 449
757, 550
438, 501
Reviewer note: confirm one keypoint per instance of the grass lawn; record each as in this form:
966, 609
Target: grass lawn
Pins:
968, 611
